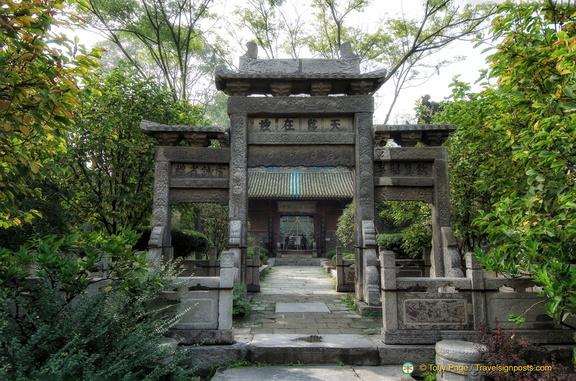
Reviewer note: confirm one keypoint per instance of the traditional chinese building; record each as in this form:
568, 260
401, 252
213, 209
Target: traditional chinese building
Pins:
294, 210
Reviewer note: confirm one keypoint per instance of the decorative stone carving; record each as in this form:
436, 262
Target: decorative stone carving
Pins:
407, 135
320, 88
297, 106
280, 89
171, 135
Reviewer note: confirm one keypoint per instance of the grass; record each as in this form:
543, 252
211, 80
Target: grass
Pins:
349, 302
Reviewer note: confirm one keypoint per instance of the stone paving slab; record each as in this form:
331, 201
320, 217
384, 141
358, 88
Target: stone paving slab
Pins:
313, 373
301, 307
302, 289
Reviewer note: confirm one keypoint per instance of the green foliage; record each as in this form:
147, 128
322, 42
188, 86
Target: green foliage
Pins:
264, 253
345, 254
350, 302
412, 220
108, 172
521, 140
184, 243
53, 220
163, 37
390, 241
39, 88
241, 304
345, 227
52, 327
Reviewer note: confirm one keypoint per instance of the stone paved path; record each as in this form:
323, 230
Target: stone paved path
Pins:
302, 300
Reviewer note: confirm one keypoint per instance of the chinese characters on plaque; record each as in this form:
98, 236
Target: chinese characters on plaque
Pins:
306, 124
199, 171
403, 169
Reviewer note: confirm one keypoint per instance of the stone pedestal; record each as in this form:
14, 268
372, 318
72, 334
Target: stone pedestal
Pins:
458, 361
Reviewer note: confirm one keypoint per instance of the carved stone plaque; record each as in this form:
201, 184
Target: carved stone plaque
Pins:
294, 125
199, 171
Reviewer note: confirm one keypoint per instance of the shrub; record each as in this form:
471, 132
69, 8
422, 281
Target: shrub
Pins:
241, 305
184, 243
345, 254
510, 349
264, 253
51, 327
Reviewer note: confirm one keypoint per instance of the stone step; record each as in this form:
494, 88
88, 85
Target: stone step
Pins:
331, 349
298, 261
313, 373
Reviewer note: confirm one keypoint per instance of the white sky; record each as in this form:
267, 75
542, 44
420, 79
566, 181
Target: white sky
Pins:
437, 86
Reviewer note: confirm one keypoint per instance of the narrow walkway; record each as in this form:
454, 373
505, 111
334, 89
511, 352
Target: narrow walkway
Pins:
302, 300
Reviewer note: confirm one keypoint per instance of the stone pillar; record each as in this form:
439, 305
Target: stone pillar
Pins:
363, 193
389, 302
440, 212
238, 203
475, 272
371, 276
160, 239
225, 299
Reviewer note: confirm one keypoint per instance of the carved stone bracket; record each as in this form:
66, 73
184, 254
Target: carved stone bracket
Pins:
320, 88
408, 135
195, 136
281, 89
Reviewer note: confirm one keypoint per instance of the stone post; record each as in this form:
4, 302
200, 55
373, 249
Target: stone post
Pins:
475, 273
226, 296
160, 240
363, 195
440, 212
371, 276
238, 202
389, 301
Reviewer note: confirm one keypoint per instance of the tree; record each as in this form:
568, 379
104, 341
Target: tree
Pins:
530, 111
108, 171
39, 89
166, 32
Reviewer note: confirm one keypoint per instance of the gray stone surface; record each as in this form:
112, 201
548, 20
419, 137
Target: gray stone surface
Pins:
318, 373
302, 307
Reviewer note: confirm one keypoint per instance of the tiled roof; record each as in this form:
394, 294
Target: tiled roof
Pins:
300, 183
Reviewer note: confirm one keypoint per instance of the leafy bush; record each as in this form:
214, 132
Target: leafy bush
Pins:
345, 254
390, 242
510, 349
264, 253
52, 327
184, 243
241, 305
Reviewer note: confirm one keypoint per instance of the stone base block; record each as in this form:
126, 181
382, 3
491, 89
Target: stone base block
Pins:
204, 358
421, 336
422, 356
458, 361
202, 336
365, 309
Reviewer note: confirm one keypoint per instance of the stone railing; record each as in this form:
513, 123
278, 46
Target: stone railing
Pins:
426, 310
204, 306
345, 272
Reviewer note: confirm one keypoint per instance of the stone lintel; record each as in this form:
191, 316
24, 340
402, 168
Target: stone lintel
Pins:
199, 183
300, 106
196, 136
208, 195
407, 135
409, 153
404, 181
301, 155
301, 138
395, 193
193, 154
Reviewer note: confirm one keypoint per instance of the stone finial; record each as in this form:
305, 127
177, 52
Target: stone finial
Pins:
251, 50
346, 51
